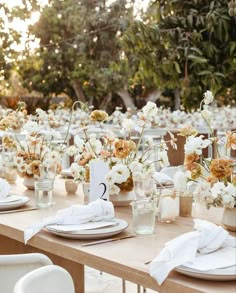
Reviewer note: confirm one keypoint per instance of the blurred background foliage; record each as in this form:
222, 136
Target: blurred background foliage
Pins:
109, 54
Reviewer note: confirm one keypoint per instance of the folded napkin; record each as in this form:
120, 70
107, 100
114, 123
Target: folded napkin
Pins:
77, 214
183, 249
4, 188
162, 178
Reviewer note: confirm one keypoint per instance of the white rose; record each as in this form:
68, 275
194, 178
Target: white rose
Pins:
208, 97
122, 173
150, 109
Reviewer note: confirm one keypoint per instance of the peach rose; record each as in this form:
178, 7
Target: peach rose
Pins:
221, 168
122, 149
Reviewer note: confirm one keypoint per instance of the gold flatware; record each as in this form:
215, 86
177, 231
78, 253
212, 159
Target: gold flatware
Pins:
108, 240
18, 210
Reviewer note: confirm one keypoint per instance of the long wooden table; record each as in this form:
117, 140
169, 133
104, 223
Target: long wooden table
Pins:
125, 259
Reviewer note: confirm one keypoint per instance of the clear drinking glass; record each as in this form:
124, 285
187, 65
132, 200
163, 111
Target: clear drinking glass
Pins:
144, 215
44, 193
144, 188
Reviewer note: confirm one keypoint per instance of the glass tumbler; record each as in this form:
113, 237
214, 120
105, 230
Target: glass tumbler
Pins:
144, 188
44, 193
144, 216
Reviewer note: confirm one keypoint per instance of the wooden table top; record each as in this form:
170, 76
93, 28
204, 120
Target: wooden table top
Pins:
126, 258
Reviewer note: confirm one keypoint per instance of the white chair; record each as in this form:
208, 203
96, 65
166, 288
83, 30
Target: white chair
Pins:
48, 279
14, 266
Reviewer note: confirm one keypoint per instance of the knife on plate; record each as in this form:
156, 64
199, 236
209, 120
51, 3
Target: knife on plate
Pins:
108, 240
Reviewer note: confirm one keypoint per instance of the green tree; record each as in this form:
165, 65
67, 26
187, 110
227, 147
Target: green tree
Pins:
187, 46
80, 52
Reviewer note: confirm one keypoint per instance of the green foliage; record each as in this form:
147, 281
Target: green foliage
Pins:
79, 44
190, 45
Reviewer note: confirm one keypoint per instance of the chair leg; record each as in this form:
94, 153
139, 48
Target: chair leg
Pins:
123, 286
138, 289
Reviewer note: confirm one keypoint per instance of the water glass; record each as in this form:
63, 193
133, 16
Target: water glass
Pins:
44, 193
144, 215
144, 188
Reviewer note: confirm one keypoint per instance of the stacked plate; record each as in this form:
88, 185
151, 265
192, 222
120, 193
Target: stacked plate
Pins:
12, 202
91, 230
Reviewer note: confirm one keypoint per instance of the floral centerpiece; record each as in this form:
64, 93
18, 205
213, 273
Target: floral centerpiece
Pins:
128, 160
214, 177
35, 151
14, 120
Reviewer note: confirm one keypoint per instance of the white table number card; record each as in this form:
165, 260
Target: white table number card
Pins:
98, 185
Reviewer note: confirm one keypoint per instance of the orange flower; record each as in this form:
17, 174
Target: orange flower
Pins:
231, 140
105, 154
196, 170
128, 185
122, 149
221, 168
85, 159
211, 179
34, 167
98, 115
189, 159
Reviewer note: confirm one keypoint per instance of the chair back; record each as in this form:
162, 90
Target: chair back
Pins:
13, 267
48, 279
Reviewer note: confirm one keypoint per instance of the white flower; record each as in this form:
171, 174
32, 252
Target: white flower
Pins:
218, 189
94, 145
71, 151
149, 110
110, 177
4, 188
207, 115
208, 97
163, 158
148, 140
79, 142
31, 126
41, 114
121, 172
114, 189
77, 172
128, 125
135, 167
196, 144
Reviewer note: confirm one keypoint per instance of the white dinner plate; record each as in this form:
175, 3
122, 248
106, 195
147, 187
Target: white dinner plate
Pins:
13, 201
222, 274
100, 233
66, 172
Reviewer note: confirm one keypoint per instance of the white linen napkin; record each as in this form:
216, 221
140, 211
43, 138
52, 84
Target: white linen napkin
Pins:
183, 249
77, 214
4, 188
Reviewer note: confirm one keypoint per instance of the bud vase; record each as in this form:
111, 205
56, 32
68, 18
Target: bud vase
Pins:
29, 182
229, 219
185, 206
